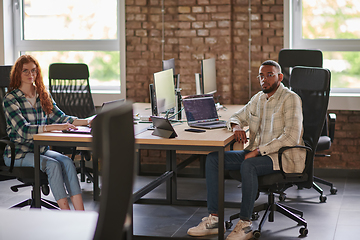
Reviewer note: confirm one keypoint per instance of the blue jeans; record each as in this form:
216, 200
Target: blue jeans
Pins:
250, 169
59, 168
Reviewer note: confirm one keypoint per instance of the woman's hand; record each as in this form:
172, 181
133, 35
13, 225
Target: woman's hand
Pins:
239, 134
59, 127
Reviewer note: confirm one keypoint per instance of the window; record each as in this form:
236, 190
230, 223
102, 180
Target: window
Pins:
333, 26
87, 31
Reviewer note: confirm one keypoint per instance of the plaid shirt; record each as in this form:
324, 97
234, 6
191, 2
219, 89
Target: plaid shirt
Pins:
23, 121
274, 123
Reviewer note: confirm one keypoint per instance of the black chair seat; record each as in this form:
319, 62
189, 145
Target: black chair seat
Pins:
323, 144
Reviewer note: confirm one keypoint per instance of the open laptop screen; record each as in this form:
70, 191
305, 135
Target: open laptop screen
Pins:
200, 109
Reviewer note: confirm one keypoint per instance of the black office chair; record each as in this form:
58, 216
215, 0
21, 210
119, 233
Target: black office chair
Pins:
70, 88
4, 81
289, 58
114, 144
313, 86
25, 175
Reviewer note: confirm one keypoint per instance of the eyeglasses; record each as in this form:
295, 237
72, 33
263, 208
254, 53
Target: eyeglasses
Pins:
269, 75
27, 72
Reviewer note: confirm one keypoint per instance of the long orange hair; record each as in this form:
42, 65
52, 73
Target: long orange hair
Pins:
15, 81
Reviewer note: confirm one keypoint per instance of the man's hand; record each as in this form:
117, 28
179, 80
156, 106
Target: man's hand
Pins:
252, 154
239, 134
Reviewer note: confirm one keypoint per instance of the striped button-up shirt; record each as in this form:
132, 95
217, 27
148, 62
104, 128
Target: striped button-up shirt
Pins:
24, 120
274, 123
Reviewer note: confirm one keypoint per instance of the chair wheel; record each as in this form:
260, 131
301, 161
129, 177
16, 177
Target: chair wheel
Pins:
45, 189
282, 197
323, 198
303, 232
255, 216
88, 180
256, 234
14, 189
333, 190
228, 224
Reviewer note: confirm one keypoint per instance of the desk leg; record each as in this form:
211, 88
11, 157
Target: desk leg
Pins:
174, 177
96, 179
37, 194
170, 154
221, 194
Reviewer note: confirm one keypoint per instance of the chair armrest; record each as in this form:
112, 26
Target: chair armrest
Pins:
283, 149
332, 120
12, 147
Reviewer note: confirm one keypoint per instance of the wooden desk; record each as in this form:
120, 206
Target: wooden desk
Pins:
217, 140
212, 140
43, 225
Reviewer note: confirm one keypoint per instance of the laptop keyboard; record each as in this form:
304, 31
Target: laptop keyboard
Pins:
210, 123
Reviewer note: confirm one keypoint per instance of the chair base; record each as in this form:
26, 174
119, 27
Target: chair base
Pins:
270, 207
31, 202
333, 189
85, 171
315, 186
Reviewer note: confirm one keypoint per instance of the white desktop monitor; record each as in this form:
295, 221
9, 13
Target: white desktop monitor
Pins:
167, 64
208, 76
164, 90
170, 64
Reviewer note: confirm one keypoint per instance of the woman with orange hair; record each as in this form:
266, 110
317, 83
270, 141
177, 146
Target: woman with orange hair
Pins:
29, 110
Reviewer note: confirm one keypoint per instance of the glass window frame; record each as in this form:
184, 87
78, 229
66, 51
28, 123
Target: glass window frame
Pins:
20, 45
296, 41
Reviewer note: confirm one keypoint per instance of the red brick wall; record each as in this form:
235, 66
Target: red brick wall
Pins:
201, 29
344, 151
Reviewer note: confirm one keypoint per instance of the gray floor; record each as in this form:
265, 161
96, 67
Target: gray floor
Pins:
338, 218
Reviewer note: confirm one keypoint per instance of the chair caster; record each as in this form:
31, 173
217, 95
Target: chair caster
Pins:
333, 190
256, 234
323, 198
228, 225
303, 232
254, 216
88, 180
282, 197
45, 189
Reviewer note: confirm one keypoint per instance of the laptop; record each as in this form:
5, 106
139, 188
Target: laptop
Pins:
201, 112
87, 130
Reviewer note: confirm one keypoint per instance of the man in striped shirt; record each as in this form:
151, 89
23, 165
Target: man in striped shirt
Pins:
274, 118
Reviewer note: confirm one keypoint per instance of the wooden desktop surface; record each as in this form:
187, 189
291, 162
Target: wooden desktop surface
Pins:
213, 137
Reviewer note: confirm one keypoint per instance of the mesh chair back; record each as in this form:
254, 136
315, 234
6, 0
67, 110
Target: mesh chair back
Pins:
289, 58
70, 88
313, 87
114, 144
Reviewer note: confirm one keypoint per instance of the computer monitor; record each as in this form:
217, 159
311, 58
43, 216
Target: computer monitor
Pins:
206, 81
164, 91
167, 64
170, 64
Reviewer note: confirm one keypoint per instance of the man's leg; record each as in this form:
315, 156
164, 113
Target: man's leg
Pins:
232, 161
250, 170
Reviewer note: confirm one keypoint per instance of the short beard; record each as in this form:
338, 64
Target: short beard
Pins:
271, 88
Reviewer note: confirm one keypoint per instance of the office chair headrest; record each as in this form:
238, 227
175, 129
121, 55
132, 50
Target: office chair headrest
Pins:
310, 78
